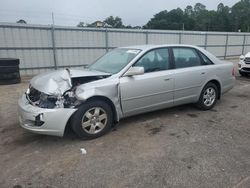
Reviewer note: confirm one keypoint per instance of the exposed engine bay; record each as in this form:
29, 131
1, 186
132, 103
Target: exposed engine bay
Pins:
65, 100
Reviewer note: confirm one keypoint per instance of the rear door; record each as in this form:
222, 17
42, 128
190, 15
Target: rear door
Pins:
190, 74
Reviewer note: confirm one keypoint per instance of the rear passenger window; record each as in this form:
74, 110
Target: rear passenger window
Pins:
186, 57
206, 60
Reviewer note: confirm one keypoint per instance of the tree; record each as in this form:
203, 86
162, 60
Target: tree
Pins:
198, 7
220, 7
128, 27
193, 18
198, 18
188, 10
21, 21
240, 16
81, 24
222, 20
115, 22
158, 21
172, 20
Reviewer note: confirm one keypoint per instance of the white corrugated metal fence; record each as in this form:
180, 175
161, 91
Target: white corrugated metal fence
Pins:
41, 48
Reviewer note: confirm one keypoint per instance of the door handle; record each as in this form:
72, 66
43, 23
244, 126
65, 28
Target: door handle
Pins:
203, 73
167, 79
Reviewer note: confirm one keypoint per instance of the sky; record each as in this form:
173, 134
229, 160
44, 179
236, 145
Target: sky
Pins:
71, 12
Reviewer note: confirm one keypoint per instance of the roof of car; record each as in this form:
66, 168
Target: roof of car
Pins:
151, 46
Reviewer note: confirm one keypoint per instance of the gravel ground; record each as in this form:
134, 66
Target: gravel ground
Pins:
177, 147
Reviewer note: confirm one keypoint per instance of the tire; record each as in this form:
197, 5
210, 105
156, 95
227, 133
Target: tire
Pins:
12, 81
208, 93
9, 62
95, 125
9, 71
9, 76
6, 69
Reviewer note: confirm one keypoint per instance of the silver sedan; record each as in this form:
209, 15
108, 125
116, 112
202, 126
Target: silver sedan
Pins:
124, 82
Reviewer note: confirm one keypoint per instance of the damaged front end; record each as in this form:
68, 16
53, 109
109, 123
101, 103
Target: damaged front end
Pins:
52, 98
57, 89
43, 100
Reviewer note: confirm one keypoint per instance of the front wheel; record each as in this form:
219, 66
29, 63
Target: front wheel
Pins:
92, 120
208, 97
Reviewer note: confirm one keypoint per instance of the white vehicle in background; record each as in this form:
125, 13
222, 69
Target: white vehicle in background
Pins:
244, 65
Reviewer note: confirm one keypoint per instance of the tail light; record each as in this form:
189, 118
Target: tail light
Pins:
233, 72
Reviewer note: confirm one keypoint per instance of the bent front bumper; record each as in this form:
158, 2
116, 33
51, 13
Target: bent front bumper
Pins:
42, 120
244, 67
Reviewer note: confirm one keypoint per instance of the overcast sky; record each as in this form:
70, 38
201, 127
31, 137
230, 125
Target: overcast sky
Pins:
71, 12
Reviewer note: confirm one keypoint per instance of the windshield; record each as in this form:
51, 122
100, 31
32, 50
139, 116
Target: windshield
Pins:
114, 61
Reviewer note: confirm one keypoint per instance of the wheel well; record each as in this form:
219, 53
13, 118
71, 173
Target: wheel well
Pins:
109, 102
105, 99
217, 83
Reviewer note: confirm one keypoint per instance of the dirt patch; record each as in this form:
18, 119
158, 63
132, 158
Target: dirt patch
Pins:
192, 115
176, 145
242, 96
155, 130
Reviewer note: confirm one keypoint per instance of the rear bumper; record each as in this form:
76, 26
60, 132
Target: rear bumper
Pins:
228, 85
41, 120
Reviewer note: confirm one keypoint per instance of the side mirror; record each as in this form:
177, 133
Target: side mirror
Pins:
134, 71
242, 57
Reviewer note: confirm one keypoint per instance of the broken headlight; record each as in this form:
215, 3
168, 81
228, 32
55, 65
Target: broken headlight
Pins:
47, 101
69, 99
42, 100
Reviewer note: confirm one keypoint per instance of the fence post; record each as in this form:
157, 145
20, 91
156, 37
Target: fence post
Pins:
146, 37
106, 40
53, 45
225, 55
243, 46
179, 37
205, 45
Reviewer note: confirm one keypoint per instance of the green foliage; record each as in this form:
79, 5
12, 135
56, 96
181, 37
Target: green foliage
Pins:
167, 20
21, 21
81, 24
199, 18
115, 22
241, 15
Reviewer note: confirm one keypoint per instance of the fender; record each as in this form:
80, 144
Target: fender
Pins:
213, 78
108, 91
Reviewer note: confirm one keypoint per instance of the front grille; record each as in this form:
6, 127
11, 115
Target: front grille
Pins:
247, 60
246, 69
34, 95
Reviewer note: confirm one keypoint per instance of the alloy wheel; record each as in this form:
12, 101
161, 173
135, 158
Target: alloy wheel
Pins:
94, 120
209, 96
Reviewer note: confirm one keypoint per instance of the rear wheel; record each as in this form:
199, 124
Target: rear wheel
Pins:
93, 119
208, 97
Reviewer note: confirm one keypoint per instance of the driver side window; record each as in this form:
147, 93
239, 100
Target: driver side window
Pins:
155, 60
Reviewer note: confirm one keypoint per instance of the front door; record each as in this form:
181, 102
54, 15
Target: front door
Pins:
152, 90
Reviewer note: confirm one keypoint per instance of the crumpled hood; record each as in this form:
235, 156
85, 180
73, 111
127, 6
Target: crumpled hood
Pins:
57, 82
